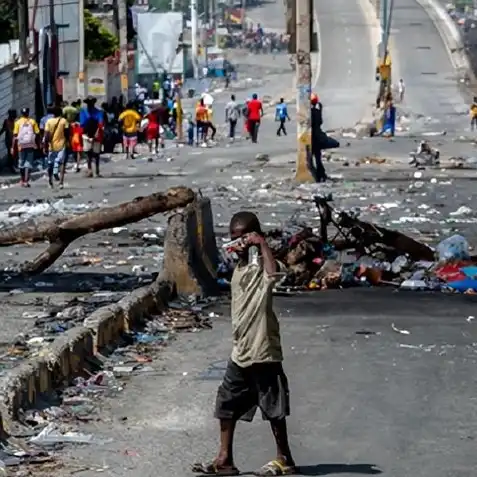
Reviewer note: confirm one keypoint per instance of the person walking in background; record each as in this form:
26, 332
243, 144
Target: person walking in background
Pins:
401, 90
26, 139
70, 111
232, 114
201, 121
54, 144
7, 129
281, 115
156, 88
152, 131
209, 125
76, 141
254, 115
130, 120
473, 114
92, 123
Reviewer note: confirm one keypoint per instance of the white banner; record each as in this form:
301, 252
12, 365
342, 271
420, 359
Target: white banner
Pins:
158, 38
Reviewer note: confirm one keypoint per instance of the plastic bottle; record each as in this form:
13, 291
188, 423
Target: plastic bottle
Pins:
253, 256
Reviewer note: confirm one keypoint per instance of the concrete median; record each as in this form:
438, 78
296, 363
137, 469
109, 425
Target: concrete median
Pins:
69, 355
190, 267
190, 250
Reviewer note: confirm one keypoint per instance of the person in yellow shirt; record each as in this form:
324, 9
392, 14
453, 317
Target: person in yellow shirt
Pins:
473, 114
25, 140
54, 144
129, 120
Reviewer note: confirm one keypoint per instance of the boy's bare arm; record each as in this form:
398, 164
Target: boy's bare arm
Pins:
269, 263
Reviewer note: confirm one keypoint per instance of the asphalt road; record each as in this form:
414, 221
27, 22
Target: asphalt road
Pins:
421, 59
346, 82
365, 399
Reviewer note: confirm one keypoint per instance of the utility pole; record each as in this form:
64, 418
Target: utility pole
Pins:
53, 53
303, 85
123, 47
193, 20
384, 20
173, 5
23, 30
81, 68
216, 22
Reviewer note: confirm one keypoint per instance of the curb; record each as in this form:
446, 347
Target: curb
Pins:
69, 354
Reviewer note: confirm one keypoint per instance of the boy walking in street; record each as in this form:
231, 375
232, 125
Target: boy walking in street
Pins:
281, 115
254, 376
26, 140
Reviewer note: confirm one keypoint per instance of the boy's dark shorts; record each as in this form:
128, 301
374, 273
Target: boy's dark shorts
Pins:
262, 385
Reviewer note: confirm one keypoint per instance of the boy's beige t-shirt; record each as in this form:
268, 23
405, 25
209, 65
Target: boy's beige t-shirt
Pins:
255, 327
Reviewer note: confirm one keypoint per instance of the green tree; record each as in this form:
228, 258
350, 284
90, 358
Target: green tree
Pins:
99, 41
8, 20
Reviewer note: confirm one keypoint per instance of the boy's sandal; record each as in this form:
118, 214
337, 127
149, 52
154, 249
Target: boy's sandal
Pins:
275, 467
213, 469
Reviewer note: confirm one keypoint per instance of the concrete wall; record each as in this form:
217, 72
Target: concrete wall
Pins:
17, 90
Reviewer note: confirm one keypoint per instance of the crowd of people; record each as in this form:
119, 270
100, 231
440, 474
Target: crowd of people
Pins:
81, 129
256, 40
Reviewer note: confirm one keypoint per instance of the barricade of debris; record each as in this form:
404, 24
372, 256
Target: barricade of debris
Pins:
346, 251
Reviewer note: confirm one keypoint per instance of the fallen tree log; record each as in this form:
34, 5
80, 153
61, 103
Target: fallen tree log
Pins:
30, 231
61, 235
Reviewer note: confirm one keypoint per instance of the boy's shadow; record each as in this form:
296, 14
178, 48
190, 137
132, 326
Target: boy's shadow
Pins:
328, 469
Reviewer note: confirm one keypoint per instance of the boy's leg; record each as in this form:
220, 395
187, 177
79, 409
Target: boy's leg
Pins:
236, 399
274, 402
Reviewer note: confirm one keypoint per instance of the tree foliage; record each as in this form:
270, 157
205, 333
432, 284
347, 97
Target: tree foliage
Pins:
8, 20
99, 41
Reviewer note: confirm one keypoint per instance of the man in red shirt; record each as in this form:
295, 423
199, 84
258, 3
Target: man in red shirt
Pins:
254, 114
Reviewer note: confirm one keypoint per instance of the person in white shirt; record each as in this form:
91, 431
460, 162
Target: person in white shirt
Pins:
401, 89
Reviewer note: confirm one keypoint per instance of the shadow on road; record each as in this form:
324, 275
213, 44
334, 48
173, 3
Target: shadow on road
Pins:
328, 469
70, 282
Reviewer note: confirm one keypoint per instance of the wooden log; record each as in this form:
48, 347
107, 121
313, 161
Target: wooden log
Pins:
29, 232
60, 236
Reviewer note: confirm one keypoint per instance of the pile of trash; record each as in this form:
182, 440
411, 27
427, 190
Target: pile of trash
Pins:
361, 254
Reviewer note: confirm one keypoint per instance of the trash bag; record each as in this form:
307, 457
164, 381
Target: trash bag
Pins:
453, 248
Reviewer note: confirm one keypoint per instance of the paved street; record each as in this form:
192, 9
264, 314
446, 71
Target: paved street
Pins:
421, 59
346, 81
365, 398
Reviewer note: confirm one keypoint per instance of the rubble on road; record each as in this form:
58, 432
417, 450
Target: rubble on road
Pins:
362, 254
55, 422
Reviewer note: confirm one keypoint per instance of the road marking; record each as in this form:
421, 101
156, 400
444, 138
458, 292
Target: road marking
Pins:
347, 39
349, 72
350, 61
